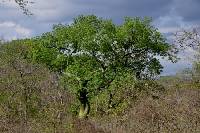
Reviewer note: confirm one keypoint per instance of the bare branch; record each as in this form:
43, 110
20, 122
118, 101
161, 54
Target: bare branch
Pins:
22, 5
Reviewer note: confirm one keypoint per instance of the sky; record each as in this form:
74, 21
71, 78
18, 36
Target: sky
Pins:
168, 16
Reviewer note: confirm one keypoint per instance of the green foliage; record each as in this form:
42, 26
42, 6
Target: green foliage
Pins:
116, 98
132, 45
92, 53
122, 95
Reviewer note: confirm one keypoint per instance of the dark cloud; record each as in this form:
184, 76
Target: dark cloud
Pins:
117, 9
49, 12
188, 9
167, 14
120, 8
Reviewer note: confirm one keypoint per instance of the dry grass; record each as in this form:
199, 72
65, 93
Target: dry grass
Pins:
31, 101
176, 111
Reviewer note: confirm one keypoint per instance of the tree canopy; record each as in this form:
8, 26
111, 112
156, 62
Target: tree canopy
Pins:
92, 53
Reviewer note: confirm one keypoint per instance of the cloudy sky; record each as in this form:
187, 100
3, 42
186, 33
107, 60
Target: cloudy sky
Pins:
168, 15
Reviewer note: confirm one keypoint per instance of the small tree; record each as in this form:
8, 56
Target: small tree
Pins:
190, 39
91, 53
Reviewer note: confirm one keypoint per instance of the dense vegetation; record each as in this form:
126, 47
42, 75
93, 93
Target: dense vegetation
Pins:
99, 70
94, 56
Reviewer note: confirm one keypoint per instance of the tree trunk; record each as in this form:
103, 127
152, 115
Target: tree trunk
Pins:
84, 103
84, 110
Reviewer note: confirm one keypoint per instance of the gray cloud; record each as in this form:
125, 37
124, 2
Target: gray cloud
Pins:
188, 9
49, 12
168, 14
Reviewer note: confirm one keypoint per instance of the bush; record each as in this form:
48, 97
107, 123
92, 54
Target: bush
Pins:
30, 98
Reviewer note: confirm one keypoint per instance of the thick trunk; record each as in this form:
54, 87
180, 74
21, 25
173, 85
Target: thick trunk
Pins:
84, 103
84, 110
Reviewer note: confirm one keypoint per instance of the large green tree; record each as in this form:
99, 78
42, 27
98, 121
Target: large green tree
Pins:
92, 53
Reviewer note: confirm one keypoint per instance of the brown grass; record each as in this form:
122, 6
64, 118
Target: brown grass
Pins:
31, 101
176, 111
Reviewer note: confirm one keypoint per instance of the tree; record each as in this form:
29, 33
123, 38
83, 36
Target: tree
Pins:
92, 53
23, 5
190, 39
